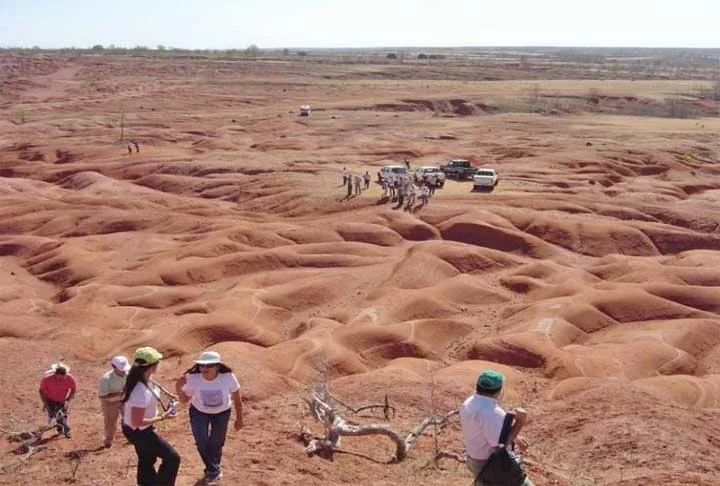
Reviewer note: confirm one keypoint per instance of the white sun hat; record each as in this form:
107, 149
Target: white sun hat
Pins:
209, 357
59, 366
120, 363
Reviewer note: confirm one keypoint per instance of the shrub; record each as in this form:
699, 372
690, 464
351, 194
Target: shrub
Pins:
21, 114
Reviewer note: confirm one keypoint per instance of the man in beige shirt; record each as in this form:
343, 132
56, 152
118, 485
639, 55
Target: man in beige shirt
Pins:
110, 391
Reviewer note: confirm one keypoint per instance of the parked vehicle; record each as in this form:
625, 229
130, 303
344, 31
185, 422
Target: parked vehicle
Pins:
426, 171
458, 169
395, 171
305, 110
485, 179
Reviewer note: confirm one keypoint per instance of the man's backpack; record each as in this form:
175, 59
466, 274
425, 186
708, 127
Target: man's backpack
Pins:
503, 467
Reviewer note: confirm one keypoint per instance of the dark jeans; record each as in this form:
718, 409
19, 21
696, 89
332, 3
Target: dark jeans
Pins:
149, 446
209, 430
58, 412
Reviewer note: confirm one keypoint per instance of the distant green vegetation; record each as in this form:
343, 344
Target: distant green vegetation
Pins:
21, 115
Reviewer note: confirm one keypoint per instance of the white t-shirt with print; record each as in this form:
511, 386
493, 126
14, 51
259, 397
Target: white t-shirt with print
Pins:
140, 397
211, 396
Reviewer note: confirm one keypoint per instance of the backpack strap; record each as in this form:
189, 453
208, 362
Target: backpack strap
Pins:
154, 392
507, 426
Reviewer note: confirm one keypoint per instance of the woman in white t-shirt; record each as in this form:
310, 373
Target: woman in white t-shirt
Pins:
140, 401
212, 389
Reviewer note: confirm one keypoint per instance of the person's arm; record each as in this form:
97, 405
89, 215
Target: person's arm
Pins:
73, 388
138, 419
42, 396
180, 388
237, 401
104, 391
521, 418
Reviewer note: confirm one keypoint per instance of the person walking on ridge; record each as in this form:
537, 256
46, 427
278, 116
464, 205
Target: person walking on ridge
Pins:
212, 389
141, 398
110, 392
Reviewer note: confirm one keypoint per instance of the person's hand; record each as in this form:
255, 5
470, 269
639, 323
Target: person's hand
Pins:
521, 444
239, 423
520, 415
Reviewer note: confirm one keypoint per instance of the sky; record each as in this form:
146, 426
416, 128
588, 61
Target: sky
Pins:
237, 24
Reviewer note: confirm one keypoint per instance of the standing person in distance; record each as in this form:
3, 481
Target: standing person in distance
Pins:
110, 393
481, 421
140, 415
57, 388
212, 389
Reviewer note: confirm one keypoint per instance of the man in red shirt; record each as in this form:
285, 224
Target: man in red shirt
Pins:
57, 388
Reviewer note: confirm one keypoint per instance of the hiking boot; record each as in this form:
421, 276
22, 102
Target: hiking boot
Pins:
67, 434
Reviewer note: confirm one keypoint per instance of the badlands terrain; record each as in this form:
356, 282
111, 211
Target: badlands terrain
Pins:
590, 276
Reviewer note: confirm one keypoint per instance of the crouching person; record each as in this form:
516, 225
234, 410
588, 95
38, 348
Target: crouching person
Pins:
212, 389
57, 388
482, 420
140, 415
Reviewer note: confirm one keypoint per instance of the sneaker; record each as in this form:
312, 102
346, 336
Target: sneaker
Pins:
68, 434
212, 478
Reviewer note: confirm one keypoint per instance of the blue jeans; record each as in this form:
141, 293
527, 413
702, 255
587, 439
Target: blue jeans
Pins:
148, 447
209, 430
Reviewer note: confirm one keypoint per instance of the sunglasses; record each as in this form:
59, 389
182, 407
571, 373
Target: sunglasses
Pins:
208, 365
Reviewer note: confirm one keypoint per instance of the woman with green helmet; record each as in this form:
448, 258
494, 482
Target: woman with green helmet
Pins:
141, 398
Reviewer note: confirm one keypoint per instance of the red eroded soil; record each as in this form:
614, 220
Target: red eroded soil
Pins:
590, 276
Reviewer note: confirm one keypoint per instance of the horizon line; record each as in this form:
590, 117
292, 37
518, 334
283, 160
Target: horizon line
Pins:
337, 48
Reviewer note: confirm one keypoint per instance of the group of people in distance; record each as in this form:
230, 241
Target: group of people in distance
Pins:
355, 183
129, 392
212, 389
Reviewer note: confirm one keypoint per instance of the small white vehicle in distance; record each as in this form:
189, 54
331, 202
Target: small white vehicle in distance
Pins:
485, 179
427, 171
392, 172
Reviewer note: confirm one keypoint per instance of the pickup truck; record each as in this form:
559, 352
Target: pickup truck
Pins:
485, 179
458, 169
427, 171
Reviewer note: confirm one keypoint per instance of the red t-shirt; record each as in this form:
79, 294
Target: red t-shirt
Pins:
56, 387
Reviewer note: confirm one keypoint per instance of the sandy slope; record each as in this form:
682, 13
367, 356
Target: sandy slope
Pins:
590, 276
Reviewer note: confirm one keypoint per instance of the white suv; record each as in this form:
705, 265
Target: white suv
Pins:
392, 172
485, 179
427, 171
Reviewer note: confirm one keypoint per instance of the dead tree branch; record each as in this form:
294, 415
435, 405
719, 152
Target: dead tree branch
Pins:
336, 427
388, 410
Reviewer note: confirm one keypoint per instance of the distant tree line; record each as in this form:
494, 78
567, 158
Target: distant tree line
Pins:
420, 56
250, 51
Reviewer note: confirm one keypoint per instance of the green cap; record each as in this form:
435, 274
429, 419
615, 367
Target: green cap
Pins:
490, 381
147, 356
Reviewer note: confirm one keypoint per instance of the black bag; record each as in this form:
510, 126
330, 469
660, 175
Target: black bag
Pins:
503, 467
